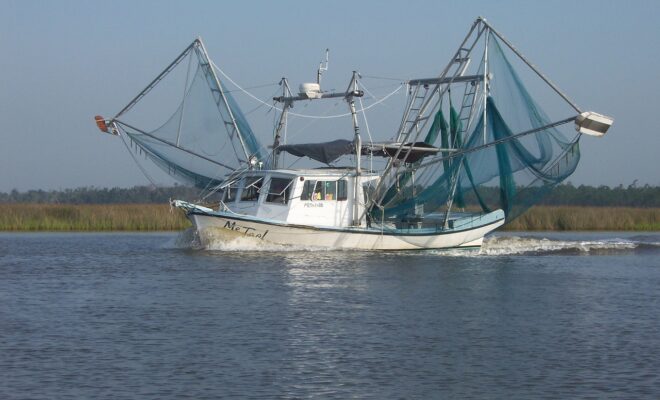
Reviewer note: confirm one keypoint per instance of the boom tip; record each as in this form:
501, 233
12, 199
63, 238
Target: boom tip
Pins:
592, 123
101, 123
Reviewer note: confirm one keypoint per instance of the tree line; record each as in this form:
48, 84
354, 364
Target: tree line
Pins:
568, 195
94, 195
603, 196
562, 195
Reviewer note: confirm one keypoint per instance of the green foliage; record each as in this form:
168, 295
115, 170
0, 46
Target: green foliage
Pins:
586, 196
93, 195
604, 196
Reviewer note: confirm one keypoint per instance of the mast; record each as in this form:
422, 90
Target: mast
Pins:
286, 93
319, 72
457, 171
357, 142
485, 83
312, 91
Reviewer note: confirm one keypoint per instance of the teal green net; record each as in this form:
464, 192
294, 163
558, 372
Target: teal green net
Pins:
205, 138
472, 177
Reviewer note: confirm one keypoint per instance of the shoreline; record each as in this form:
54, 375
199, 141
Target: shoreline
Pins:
31, 217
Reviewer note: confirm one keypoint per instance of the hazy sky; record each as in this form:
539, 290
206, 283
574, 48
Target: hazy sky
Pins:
62, 62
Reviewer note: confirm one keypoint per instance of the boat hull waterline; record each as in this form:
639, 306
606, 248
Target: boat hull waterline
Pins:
219, 227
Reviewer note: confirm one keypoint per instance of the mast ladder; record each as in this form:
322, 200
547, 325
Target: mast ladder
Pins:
465, 114
414, 117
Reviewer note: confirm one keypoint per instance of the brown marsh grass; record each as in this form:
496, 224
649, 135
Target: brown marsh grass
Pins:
159, 217
90, 217
570, 218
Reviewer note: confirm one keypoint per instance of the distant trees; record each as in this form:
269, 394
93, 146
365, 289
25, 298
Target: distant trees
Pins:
567, 194
93, 195
601, 196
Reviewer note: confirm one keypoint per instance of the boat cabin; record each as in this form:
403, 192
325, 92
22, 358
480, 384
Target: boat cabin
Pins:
311, 197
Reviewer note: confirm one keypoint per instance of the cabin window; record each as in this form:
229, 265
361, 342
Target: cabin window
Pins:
330, 190
319, 191
252, 188
324, 190
230, 192
279, 191
341, 190
308, 189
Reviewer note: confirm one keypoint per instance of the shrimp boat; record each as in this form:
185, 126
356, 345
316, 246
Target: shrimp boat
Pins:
472, 151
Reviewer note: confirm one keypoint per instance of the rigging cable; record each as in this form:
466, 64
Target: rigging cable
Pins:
384, 78
310, 123
259, 106
296, 114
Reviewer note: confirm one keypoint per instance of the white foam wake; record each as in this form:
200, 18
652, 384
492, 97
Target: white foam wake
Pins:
507, 245
511, 245
186, 239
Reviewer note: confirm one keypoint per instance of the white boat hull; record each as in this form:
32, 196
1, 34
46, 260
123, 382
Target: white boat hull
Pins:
216, 227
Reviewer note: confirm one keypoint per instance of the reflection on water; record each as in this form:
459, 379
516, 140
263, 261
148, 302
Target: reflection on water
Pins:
152, 316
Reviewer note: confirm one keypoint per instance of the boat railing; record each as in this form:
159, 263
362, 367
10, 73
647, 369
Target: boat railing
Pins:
420, 225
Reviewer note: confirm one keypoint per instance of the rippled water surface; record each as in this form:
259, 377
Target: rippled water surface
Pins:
113, 316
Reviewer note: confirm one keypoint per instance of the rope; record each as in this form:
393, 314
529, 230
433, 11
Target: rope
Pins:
306, 126
296, 114
384, 78
254, 87
257, 107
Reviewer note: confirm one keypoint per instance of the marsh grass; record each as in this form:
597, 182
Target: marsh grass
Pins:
159, 217
570, 218
90, 217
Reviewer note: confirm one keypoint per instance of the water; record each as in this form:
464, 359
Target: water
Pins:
115, 316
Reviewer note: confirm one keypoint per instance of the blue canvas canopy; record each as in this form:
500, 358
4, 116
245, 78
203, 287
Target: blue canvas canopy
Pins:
323, 152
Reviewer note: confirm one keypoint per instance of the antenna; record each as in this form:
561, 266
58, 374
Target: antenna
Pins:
319, 72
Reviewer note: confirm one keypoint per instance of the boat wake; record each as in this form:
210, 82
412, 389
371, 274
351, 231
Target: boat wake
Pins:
538, 245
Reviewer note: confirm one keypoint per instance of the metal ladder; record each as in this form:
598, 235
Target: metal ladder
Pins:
465, 114
414, 111
421, 98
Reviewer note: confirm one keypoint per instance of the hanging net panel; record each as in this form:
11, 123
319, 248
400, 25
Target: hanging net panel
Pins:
206, 137
499, 150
